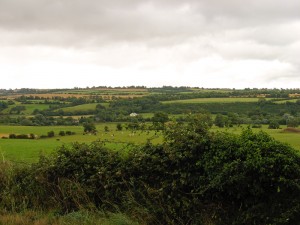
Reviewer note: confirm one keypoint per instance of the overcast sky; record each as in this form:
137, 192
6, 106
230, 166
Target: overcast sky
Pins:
204, 43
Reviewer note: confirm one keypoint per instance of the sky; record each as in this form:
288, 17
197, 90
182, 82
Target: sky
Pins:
197, 43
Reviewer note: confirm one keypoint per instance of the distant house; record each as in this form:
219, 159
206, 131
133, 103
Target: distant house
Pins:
133, 114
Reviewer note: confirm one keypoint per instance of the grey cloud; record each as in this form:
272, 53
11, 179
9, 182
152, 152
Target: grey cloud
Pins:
123, 32
133, 20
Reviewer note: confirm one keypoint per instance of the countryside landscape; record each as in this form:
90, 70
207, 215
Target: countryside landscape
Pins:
134, 155
149, 112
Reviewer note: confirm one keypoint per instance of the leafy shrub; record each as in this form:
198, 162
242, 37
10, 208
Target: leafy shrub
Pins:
70, 132
22, 136
194, 177
61, 133
12, 136
273, 125
51, 134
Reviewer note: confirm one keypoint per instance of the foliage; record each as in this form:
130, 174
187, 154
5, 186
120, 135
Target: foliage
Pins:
51, 133
89, 127
159, 119
194, 177
119, 127
220, 120
273, 125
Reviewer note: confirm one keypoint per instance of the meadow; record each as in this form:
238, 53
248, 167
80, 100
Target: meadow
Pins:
28, 151
29, 108
83, 107
212, 100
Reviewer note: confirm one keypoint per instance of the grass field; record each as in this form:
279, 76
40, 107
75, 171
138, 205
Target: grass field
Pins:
20, 150
83, 107
29, 108
211, 100
292, 139
284, 101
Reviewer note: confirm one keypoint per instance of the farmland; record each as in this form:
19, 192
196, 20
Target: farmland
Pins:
212, 100
19, 150
153, 148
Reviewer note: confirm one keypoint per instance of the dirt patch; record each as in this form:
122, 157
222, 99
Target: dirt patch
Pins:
291, 130
4, 135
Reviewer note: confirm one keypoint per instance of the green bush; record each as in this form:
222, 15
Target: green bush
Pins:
61, 133
12, 136
194, 177
50, 134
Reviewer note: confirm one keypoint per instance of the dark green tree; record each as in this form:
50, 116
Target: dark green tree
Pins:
89, 127
51, 134
159, 119
219, 120
119, 127
273, 125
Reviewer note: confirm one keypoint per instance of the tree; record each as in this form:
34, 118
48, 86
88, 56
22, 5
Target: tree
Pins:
51, 134
119, 127
159, 119
61, 133
17, 109
219, 120
273, 125
89, 127
292, 122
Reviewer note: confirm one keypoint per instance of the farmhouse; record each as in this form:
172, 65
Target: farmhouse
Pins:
133, 114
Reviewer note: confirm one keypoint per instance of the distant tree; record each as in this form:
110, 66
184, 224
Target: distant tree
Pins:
17, 109
26, 122
261, 101
3, 105
159, 119
89, 127
219, 120
119, 127
51, 134
292, 122
273, 125
61, 133
106, 129
234, 119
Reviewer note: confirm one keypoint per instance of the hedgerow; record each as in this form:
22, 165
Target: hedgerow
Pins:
194, 177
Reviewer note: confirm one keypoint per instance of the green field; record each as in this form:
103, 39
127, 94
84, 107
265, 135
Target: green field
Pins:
29, 108
20, 150
29, 150
285, 101
292, 139
83, 107
211, 100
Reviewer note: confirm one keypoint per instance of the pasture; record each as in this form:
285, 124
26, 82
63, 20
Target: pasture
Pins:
285, 101
211, 100
29, 108
27, 150
83, 107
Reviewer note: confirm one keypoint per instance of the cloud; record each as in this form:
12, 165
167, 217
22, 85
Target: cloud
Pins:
173, 41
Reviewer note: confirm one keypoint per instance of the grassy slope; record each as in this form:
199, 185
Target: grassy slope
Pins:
29, 108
